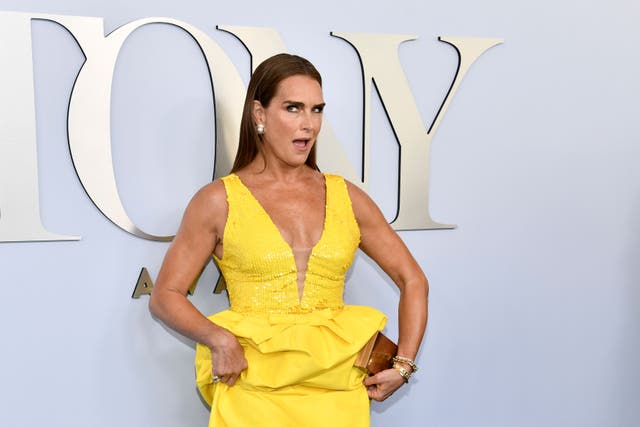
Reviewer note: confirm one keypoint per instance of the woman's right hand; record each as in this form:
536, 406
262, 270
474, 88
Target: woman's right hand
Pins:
227, 357
200, 231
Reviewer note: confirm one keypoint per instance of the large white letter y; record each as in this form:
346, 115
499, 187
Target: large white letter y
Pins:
381, 65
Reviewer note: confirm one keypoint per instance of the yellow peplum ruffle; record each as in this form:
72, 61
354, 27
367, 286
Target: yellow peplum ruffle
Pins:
316, 349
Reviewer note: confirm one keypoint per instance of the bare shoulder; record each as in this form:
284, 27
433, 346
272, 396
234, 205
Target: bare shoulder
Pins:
208, 207
364, 208
212, 194
377, 238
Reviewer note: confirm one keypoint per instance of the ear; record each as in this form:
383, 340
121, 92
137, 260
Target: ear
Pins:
258, 112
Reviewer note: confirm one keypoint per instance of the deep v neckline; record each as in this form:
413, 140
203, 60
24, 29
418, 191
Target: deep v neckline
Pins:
281, 237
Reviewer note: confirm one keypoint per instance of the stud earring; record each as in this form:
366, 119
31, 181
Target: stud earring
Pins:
260, 129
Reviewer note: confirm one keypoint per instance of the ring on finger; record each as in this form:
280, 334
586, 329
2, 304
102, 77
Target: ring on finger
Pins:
216, 379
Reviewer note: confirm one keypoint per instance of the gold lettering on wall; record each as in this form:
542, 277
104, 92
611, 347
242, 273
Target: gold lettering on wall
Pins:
144, 284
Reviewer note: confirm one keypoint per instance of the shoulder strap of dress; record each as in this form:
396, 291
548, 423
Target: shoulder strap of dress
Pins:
337, 189
338, 197
230, 181
234, 188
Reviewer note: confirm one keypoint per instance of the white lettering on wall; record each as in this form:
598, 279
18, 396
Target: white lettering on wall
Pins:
89, 117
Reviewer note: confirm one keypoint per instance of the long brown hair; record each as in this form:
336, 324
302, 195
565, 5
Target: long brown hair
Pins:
262, 87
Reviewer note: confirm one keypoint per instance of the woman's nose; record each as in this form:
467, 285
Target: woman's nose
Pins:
308, 123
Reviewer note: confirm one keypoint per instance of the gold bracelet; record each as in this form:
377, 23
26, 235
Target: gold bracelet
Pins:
403, 372
401, 359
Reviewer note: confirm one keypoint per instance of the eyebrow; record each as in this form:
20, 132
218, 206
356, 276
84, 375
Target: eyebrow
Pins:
301, 104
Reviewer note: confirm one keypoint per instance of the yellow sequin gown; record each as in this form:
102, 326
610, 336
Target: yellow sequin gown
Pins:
300, 351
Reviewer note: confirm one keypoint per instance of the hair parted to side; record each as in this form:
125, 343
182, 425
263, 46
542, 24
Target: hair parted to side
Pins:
262, 87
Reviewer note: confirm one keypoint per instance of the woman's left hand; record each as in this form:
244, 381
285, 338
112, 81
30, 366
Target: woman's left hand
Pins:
383, 384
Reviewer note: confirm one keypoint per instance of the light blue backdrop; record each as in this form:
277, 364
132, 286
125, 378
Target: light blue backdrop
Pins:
534, 304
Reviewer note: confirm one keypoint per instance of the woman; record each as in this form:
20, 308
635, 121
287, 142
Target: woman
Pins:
284, 235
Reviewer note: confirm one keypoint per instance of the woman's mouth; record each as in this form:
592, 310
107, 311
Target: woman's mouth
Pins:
301, 143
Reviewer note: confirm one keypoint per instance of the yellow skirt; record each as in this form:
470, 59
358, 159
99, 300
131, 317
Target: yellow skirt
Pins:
300, 369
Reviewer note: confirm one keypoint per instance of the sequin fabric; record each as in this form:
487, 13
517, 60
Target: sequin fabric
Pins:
259, 266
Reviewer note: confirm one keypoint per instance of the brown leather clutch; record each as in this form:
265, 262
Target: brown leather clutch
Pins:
377, 354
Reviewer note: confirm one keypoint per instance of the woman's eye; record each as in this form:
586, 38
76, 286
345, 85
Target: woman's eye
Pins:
318, 109
292, 108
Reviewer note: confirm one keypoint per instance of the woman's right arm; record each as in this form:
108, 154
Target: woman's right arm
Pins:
199, 233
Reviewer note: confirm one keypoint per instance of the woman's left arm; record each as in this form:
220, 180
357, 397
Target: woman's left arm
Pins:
380, 242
